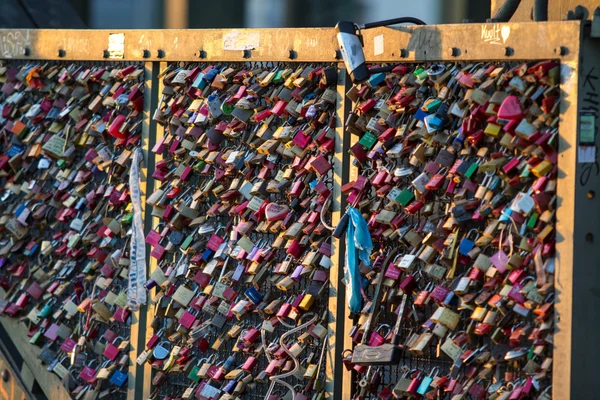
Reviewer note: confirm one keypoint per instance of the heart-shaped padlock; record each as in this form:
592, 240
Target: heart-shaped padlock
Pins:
276, 212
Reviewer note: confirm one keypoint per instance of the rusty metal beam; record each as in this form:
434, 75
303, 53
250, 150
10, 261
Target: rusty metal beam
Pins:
557, 9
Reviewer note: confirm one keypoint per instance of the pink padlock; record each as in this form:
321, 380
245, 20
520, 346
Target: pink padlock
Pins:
121, 315
376, 339
88, 374
439, 294
392, 272
111, 351
22, 300
251, 335
249, 364
295, 249
408, 285
284, 310
271, 369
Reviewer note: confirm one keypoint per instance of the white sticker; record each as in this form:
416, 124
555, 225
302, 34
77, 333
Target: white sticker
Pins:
116, 45
241, 40
378, 45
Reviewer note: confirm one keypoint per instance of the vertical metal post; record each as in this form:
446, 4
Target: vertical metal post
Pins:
576, 354
139, 330
338, 378
334, 371
153, 221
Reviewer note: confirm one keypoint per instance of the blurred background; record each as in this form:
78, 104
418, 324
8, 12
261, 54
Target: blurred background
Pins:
157, 14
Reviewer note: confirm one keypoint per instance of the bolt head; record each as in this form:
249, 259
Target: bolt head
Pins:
160, 53
247, 54
5, 375
62, 53
509, 51
403, 53
561, 51
454, 52
105, 53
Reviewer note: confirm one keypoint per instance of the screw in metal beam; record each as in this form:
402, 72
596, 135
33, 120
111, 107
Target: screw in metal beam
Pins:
561, 50
247, 54
62, 53
293, 55
403, 53
200, 54
160, 53
509, 51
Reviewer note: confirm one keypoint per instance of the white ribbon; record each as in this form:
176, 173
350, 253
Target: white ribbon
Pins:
136, 292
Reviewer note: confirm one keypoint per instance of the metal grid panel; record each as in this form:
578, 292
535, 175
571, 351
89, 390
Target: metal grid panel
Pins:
179, 382
33, 95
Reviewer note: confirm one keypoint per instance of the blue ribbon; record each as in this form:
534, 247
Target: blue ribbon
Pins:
358, 248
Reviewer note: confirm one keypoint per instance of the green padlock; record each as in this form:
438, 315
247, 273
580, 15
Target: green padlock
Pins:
199, 166
471, 170
188, 241
526, 171
405, 197
193, 375
368, 140
47, 309
226, 108
433, 106
532, 220
422, 75
278, 76
36, 337
127, 218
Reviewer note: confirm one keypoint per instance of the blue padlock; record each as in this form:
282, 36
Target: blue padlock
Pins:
253, 295
433, 123
14, 150
230, 386
420, 114
426, 382
210, 75
20, 209
467, 244
376, 79
199, 82
31, 252
207, 254
118, 378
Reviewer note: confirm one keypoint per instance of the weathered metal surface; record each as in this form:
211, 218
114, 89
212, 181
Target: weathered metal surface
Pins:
49, 383
579, 290
433, 42
477, 42
557, 9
